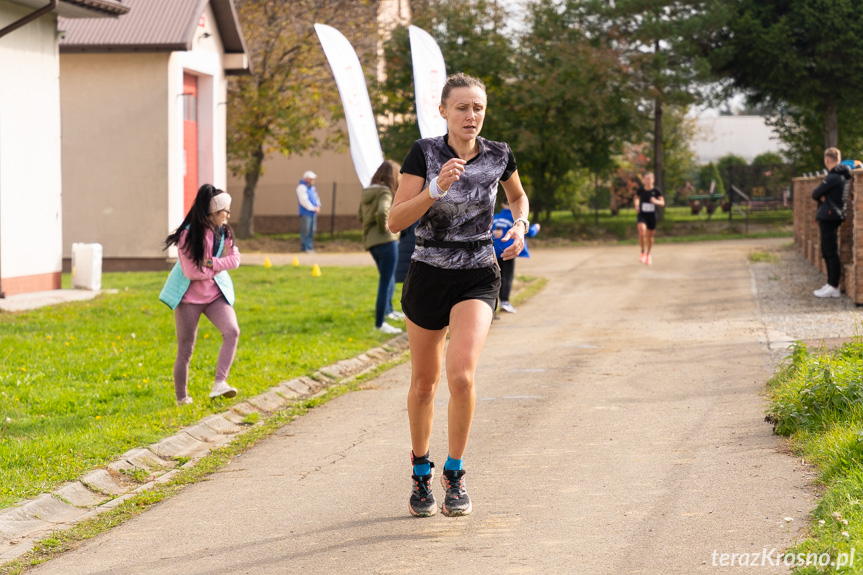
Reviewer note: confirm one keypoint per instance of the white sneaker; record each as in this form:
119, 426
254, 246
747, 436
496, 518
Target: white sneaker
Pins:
396, 315
222, 389
389, 329
820, 290
186, 400
828, 291
507, 307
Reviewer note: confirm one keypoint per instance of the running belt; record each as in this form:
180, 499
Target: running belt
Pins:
466, 245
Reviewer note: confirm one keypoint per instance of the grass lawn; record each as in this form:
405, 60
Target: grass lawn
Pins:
817, 400
83, 382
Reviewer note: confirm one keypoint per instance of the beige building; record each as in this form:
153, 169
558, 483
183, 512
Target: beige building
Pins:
143, 102
745, 136
31, 218
276, 206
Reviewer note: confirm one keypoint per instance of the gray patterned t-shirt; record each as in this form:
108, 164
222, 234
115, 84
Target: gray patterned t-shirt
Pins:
466, 213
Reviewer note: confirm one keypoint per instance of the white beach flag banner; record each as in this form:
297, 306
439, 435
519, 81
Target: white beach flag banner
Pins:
429, 79
363, 132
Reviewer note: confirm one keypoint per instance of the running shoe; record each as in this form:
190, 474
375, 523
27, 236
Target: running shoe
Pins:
389, 329
422, 502
456, 501
648, 260
507, 307
396, 315
643, 257
828, 291
186, 400
222, 389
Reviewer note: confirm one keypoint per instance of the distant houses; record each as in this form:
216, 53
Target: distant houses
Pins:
744, 136
112, 113
144, 102
31, 218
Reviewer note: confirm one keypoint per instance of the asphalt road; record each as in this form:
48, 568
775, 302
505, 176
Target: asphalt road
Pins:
619, 429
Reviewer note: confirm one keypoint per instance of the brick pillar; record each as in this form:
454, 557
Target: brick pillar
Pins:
854, 222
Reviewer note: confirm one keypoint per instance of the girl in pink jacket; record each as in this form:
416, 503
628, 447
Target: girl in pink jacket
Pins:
200, 284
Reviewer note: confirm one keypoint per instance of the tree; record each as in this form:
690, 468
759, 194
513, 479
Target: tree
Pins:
290, 95
678, 132
771, 174
730, 160
569, 105
559, 99
471, 36
708, 174
806, 54
767, 159
657, 42
731, 168
801, 130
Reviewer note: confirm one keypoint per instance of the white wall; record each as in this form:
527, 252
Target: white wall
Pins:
745, 136
115, 152
30, 182
205, 61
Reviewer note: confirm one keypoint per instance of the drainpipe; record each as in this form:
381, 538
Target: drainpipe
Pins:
52, 4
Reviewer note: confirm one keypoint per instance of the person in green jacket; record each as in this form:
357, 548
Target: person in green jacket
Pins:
380, 242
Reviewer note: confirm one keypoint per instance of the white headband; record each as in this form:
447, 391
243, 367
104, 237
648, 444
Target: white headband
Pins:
219, 202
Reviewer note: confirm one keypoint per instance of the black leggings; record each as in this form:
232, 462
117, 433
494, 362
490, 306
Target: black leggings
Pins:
830, 250
507, 272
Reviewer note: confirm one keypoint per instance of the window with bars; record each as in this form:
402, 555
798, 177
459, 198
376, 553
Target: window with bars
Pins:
190, 107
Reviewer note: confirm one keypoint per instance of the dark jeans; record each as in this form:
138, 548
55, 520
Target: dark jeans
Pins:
386, 256
307, 232
830, 250
507, 273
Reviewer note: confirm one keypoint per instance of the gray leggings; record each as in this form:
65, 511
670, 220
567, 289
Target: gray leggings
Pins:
186, 315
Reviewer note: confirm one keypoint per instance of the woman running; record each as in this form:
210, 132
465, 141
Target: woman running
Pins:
646, 199
449, 184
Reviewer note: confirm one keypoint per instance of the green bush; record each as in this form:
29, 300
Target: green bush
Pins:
817, 400
818, 389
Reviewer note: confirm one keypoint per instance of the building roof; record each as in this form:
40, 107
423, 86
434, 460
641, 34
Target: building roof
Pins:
81, 8
745, 136
153, 26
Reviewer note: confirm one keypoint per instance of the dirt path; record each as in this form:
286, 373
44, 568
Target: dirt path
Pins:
619, 429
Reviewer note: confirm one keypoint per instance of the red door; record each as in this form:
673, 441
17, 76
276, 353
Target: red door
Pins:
190, 140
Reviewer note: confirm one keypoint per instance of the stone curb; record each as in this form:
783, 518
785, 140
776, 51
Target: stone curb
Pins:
22, 526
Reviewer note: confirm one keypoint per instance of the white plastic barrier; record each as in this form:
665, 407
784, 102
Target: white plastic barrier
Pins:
87, 266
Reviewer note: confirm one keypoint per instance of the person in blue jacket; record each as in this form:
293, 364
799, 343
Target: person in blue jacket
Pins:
310, 205
503, 220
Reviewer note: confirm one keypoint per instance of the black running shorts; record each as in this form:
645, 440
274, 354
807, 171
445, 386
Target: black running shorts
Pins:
429, 292
648, 219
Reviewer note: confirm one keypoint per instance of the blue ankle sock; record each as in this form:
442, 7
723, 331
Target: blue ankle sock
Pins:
452, 464
423, 468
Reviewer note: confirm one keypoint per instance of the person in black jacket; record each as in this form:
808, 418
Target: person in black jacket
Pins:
830, 195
